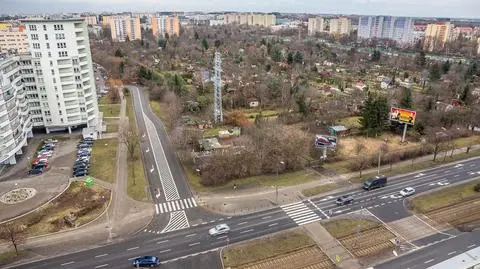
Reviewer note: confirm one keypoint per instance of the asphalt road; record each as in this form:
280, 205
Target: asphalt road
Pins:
426, 257
195, 240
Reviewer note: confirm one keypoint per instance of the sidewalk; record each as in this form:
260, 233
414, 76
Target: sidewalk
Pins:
262, 198
125, 216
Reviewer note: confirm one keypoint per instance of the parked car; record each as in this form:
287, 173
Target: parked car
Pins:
47, 147
79, 168
343, 200
84, 146
407, 191
146, 261
35, 171
38, 160
219, 229
80, 172
50, 140
40, 164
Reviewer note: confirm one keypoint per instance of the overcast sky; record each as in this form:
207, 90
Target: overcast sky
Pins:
420, 8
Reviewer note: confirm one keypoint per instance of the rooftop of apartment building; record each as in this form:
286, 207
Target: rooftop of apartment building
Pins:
52, 19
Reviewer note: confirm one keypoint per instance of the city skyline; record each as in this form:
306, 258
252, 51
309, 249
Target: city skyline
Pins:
441, 8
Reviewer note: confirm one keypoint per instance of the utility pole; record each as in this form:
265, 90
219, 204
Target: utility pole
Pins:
217, 94
379, 160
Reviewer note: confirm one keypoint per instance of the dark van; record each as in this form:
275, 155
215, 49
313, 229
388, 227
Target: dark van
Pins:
375, 182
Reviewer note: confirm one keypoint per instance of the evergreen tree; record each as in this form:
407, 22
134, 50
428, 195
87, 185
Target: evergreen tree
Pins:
374, 115
204, 44
406, 101
121, 67
464, 96
298, 58
290, 57
276, 54
217, 43
435, 72
446, 66
196, 35
420, 59
375, 56
118, 53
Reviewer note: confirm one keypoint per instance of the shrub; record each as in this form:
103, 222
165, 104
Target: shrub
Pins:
477, 187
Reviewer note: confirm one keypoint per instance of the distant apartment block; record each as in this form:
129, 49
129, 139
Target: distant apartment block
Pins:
91, 20
252, 19
162, 25
315, 25
478, 46
13, 38
106, 20
340, 26
125, 28
398, 29
17, 93
436, 35
63, 96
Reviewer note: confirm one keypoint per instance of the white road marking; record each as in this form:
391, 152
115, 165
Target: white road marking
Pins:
241, 223
175, 205
429, 261
267, 217
178, 220
100, 266
190, 235
471, 246
67, 263
133, 248
194, 244
101, 255
273, 224
451, 253
156, 209
221, 237
161, 242
165, 250
246, 231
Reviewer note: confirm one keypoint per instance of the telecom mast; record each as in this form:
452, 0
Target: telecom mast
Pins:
217, 105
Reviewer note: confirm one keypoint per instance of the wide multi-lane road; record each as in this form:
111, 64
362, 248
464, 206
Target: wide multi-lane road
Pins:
384, 203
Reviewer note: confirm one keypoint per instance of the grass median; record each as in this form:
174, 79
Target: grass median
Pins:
319, 189
445, 197
104, 159
342, 227
264, 248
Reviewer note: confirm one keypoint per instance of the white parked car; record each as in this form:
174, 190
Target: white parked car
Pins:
407, 191
219, 229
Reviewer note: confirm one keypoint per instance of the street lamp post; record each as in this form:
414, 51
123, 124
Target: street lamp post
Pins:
276, 185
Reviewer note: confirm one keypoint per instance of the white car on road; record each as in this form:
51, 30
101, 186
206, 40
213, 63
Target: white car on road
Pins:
219, 229
407, 191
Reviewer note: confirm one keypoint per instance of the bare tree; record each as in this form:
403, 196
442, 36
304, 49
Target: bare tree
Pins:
359, 147
437, 140
131, 139
12, 232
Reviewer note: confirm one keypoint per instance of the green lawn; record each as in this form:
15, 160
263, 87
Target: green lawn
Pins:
319, 189
104, 159
112, 128
350, 122
464, 141
137, 183
11, 256
286, 179
214, 131
130, 112
445, 197
159, 110
264, 248
343, 227
110, 110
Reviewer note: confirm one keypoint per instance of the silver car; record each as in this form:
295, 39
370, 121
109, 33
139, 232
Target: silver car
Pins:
219, 229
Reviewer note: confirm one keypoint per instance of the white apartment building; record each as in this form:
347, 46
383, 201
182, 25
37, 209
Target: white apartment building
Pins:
62, 66
340, 26
17, 85
13, 38
398, 29
315, 25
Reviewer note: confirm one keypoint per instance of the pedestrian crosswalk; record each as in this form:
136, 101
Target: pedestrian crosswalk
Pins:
300, 213
178, 221
175, 205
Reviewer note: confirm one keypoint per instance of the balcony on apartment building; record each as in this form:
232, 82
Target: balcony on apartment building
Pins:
65, 71
64, 63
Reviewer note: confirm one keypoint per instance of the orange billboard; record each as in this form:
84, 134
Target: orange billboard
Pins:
403, 115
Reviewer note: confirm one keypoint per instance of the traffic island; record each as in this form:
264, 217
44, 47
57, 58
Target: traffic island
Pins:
285, 250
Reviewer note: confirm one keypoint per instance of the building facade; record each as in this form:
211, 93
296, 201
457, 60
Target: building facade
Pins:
17, 86
64, 78
315, 25
162, 25
91, 20
436, 35
13, 38
125, 28
340, 26
398, 29
252, 19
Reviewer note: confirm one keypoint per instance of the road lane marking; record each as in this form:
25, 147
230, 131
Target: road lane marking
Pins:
266, 217
133, 248
133, 258
451, 253
241, 223
429, 261
161, 242
456, 175
101, 255
67, 263
318, 208
190, 235
194, 244
471, 246
221, 237
246, 231
100, 266
165, 250
273, 224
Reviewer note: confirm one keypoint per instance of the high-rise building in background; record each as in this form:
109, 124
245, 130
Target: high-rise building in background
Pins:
340, 26
398, 29
91, 20
478, 46
162, 25
315, 25
13, 38
252, 19
17, 93
65, 95
106, 20
125, 28
436, 35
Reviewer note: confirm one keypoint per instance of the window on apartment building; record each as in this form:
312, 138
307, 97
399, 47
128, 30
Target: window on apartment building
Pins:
53, 72
82, 109
75, 61
79, 86
42, 88
51, 63
54, 80
39, 72
48, 45
77, 77
32, 27
34, 36
36, 63
59, 36
61, 45
57, 96
46, 37
44, 27
62, 54
59, 112
36, 45
49, 54
38, 55
58, 27
76, 69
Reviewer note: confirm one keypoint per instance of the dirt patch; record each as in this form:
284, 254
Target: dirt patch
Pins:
84, 202
371, 145
458, 215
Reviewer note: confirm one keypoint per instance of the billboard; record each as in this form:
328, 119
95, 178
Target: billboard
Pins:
403, 115
325, 141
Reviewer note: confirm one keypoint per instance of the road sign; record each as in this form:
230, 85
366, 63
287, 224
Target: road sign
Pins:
89, 181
